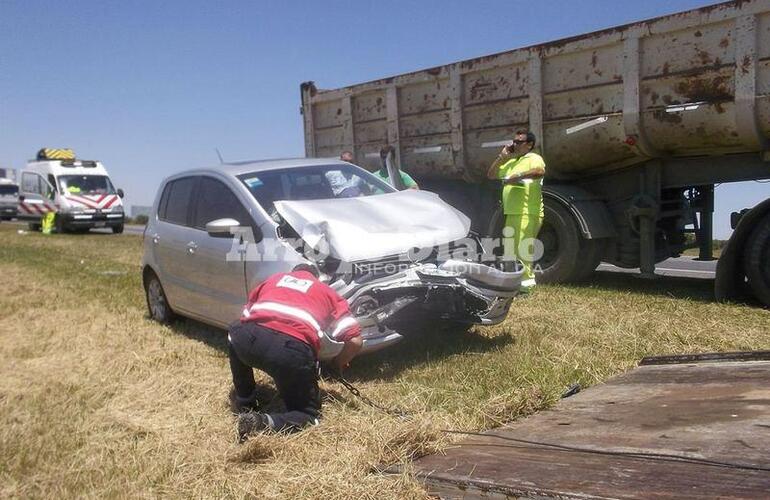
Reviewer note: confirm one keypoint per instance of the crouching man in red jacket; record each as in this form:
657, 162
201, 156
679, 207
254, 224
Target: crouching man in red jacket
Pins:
280, 333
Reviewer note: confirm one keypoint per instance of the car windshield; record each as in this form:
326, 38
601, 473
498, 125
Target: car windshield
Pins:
9, 189
322, 182
86, 184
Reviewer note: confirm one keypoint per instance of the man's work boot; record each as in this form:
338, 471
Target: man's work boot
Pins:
240, 405
251, 423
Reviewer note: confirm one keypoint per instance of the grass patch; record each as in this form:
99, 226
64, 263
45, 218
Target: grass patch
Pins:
96, 400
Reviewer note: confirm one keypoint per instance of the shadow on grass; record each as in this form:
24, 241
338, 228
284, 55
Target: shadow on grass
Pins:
267, 395
422, 345
207, 334
698, 289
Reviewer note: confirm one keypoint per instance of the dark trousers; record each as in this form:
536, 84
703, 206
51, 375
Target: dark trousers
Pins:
290, 362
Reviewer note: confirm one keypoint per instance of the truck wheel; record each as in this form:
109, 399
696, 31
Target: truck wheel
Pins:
157, 303
756, 260
561, 242
591, 253
117, 229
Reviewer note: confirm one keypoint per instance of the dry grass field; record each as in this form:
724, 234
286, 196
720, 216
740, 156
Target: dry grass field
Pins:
98, 401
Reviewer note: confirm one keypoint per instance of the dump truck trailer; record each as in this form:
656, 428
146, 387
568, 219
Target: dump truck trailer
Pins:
637, 124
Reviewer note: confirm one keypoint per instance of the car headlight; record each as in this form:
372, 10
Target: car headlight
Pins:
118, 208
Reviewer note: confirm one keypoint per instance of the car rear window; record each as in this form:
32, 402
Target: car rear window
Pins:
178, 196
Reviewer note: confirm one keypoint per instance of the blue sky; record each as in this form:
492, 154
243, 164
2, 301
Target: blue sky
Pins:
151, 88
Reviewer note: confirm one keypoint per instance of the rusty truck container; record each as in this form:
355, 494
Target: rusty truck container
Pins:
636, 124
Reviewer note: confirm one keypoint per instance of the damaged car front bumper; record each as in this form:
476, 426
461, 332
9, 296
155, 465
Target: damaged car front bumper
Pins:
461, 291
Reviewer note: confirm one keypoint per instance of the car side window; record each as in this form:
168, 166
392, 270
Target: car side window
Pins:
216, 201
178, 202
164, 201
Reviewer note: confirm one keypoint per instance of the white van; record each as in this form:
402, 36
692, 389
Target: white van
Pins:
9, 199
80, 191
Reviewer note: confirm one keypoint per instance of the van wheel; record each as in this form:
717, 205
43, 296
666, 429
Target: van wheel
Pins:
157, 303
755, 260
34, 227
59, 224
117, 229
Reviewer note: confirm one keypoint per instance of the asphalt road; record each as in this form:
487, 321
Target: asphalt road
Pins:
684, 267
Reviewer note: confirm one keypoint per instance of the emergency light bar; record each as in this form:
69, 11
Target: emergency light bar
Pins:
55, 154
78, 163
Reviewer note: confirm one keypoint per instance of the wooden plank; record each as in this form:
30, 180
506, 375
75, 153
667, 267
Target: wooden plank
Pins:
707, 357
659, 431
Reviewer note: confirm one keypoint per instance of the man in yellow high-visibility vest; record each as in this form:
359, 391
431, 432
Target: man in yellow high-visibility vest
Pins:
522, 173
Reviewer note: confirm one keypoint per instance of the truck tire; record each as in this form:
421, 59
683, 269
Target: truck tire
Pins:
756, 260
157, 303
591, 253
117, 229
561, 239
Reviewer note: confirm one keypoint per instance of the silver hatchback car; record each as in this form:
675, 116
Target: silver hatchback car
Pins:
396, 256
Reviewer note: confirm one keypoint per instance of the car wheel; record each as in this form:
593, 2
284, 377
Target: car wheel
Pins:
117, 229
157, 303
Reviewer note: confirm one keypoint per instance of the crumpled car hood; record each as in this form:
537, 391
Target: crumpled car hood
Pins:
371, 227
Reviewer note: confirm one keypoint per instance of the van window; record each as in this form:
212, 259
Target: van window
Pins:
52, 181
179, 199
30, 183
86, 184
9, 189
216, 201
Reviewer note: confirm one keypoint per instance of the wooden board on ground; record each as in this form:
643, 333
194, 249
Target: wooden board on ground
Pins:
695, 430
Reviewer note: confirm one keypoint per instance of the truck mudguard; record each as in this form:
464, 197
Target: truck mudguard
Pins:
591, 214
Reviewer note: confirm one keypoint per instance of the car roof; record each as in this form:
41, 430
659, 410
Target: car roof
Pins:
242, 167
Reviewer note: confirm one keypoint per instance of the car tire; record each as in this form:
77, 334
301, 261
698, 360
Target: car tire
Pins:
157, 303
561, 239
117, 229
756, 256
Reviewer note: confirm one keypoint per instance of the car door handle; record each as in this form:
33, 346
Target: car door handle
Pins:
155, 238
192, 247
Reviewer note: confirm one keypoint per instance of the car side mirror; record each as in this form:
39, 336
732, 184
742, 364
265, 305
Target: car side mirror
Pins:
121, 193
227, 228
222, 228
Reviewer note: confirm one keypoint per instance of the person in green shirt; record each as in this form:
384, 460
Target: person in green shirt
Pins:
382, 173
522, 173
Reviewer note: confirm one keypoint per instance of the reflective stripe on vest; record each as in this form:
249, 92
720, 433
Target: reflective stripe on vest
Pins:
343, 324
294, 312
